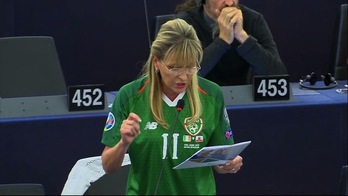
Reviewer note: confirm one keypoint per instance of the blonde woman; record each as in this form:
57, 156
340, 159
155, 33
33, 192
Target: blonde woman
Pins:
147, 122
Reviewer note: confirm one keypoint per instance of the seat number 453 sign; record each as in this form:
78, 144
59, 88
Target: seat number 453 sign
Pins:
86, 97
271, 88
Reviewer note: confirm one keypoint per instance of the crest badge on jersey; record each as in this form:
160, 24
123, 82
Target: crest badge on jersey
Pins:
194, 128
110, 122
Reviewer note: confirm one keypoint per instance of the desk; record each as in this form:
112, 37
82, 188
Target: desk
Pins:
297, 147
44, 149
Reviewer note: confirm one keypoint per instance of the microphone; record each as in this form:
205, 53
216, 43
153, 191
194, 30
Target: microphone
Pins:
179, 106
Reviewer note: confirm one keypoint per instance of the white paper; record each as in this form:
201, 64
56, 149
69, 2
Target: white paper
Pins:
85, 172
213, 155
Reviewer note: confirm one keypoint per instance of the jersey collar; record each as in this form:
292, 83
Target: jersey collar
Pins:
175, 101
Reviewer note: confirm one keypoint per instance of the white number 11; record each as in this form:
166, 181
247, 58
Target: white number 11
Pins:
175, 145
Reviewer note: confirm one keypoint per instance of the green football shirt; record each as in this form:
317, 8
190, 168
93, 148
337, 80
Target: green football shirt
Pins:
149, 150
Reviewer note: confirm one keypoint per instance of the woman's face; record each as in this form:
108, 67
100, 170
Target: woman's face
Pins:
211, 6
173, 83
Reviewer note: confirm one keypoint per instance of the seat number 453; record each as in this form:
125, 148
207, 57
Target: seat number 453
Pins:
271, 88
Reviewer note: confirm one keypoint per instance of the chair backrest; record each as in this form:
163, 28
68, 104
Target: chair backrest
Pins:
110, 184
341, 59
29, 66
22, 189
343, 181
159, 20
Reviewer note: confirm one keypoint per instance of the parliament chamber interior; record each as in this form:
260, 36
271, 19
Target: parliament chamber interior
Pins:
50, 48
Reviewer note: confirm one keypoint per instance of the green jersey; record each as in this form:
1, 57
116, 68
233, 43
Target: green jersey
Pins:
157, 147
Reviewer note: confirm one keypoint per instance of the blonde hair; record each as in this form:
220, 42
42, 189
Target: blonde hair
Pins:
176, 41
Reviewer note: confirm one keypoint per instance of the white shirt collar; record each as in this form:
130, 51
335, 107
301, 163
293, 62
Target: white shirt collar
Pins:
175, 101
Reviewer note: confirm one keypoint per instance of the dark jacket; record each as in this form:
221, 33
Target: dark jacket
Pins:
232, 64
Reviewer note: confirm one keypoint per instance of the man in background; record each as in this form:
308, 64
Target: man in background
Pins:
237, 41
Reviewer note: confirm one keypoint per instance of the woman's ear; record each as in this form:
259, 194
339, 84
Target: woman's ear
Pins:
155, 62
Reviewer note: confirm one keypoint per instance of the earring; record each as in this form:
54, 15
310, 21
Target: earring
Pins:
156, 70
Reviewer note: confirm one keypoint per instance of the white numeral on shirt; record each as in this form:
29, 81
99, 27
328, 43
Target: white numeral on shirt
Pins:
175, 145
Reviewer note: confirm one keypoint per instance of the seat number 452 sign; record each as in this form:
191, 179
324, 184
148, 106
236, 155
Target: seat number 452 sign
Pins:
86, 97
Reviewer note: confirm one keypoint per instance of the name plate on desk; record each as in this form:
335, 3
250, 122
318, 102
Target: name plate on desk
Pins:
52, 105
86, 97
271, 88
243, 95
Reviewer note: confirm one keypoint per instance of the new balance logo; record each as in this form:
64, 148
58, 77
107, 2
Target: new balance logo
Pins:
151, 125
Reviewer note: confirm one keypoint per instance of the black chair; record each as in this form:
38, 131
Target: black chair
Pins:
158, 21
110, 184
341, 60
31, 65
22, 189
343, 181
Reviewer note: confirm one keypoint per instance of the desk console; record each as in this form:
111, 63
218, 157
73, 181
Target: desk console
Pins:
243, 95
